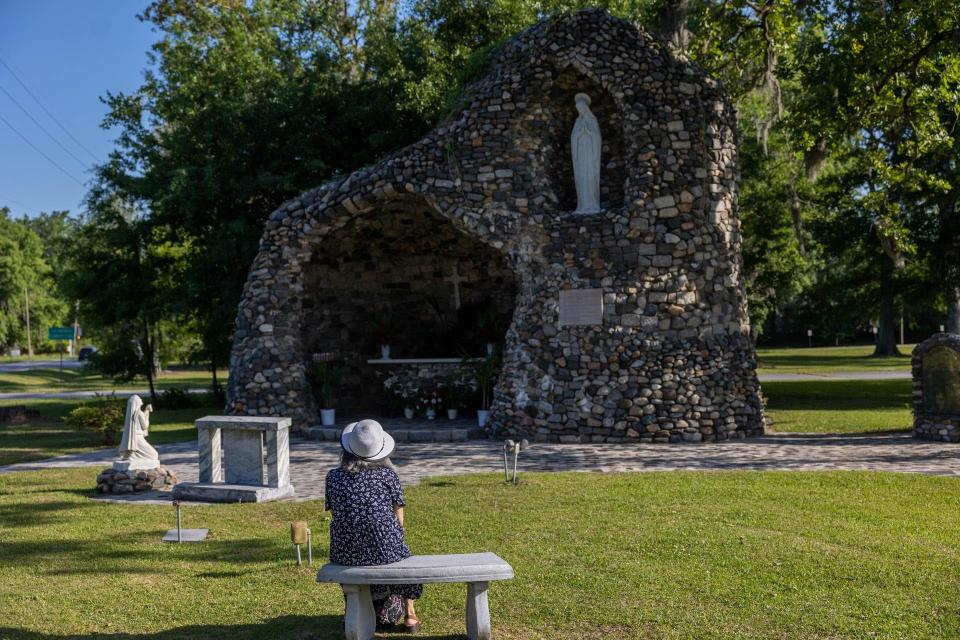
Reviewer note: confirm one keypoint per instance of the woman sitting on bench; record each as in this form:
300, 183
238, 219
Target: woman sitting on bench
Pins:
365, 497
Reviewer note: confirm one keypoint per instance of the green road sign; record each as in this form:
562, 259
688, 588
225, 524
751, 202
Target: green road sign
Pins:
60, 333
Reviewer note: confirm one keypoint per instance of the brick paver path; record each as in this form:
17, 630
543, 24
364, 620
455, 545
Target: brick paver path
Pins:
310, 460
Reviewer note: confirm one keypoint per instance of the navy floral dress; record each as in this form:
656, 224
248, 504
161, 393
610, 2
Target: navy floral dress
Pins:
365, 530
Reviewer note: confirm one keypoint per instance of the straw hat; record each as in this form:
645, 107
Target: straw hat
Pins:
367, 440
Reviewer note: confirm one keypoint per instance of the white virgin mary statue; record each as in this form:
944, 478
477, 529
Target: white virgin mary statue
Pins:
135, 451
585, 149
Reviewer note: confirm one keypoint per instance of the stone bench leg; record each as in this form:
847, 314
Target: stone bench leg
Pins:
359, 620
478, 611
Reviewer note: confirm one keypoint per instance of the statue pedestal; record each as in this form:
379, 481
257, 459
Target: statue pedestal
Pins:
135, 465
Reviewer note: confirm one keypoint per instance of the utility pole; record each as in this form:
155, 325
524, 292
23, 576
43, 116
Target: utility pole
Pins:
76, 329
901, 327
26, 304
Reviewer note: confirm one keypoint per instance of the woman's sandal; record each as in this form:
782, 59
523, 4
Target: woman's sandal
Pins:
411, 627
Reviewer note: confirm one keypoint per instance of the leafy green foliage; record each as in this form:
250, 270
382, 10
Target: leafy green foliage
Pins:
26, 279
102, 416
325, 379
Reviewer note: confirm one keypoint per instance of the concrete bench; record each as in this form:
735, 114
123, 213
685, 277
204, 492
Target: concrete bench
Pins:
476, 569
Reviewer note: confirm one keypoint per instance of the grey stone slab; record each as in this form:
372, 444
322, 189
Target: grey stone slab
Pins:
257, 423
218, 492
243, 456
209, 451
186, 535
460, 567
278, 457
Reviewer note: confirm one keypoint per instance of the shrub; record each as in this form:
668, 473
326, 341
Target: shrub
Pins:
103, 415
179, 399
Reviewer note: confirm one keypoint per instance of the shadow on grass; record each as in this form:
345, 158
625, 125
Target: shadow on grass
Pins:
36, 514
322, 627
248, 550
838, 395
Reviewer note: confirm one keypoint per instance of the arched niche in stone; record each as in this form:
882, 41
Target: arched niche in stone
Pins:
404, 275
550, 118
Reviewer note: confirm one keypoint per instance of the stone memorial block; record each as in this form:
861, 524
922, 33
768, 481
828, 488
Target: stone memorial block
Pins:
231, 448
936, 388
581, 307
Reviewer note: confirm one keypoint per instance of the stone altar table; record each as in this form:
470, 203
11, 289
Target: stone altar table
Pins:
232, 461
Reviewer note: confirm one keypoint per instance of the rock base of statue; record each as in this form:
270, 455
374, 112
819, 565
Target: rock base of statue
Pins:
113, 480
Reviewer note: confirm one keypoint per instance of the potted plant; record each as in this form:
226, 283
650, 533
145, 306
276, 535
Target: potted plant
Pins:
430, 402
404, 390
485, 371
458, 387
384, 331
488, 324
325, 377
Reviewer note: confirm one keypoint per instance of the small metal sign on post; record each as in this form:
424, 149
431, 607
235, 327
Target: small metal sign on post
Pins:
300, 534
59, 334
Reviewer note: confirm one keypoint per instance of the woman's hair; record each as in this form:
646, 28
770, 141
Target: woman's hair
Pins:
352, 464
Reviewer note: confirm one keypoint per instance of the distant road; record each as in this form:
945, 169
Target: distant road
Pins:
69, 362
835, 375
66, 395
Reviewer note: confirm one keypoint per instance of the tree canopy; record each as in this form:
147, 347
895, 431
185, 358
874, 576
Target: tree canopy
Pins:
847, 112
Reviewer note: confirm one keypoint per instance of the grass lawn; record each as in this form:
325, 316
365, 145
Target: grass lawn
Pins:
666, 555
840, 406
826, 359
49, 436
79, 379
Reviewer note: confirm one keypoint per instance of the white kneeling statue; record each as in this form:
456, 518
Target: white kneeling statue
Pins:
135, 451
585, 145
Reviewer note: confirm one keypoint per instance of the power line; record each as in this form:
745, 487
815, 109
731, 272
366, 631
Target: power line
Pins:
42, 128
35, 148
4, 199
45, 110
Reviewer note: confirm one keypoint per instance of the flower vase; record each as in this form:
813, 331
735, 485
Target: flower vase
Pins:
431, 414
328, 417
408, 413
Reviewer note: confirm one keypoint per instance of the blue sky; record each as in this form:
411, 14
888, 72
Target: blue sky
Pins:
68, 53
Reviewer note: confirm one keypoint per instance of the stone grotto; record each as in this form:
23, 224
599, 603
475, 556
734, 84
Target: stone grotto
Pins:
617, 322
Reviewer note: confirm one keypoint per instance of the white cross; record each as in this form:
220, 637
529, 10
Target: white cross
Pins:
455, 280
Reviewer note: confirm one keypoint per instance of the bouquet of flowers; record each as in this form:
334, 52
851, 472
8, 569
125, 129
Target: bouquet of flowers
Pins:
429, 401
404, 388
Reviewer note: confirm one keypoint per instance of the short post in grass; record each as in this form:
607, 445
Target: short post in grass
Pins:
513, 447
176, 504
809, 337
300, 534
507, 447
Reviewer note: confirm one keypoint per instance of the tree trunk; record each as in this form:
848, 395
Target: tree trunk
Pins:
950, 241
213, 370
886, 332
148, 360
670, 23
953, 308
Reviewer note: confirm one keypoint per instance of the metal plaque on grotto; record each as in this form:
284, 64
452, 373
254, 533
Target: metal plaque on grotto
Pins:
581, 307
941, 381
